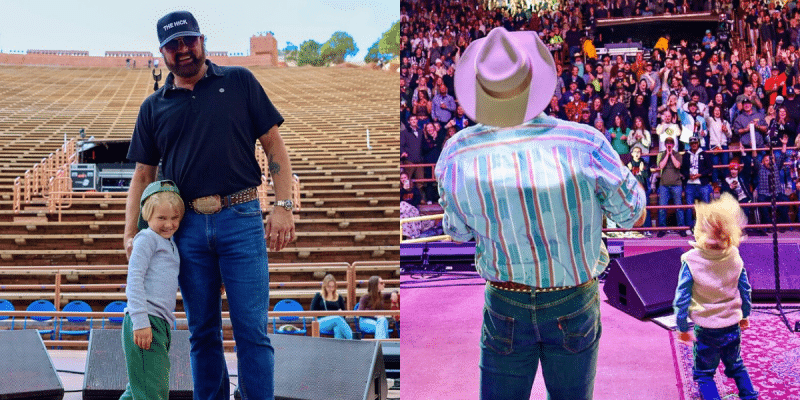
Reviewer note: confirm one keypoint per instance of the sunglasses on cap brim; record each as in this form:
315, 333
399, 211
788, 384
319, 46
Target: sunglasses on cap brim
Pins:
175, 44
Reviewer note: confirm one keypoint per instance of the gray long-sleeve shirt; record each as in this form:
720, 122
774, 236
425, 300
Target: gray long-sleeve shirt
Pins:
742, 121
152, 278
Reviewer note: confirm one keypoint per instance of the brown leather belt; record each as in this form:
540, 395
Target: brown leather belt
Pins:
518, 287
214, 203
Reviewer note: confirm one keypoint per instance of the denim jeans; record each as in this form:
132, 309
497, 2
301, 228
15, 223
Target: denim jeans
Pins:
713, 346
561, 329
336, 324
720, 159
694, 192
379, 326
227, 247
766, 212
664, 194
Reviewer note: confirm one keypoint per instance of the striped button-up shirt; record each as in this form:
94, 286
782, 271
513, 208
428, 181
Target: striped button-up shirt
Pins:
533, 197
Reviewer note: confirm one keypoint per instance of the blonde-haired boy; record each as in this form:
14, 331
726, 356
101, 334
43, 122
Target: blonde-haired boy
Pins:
714, 291
151, 291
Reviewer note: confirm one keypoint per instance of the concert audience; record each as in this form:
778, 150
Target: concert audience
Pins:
714, 87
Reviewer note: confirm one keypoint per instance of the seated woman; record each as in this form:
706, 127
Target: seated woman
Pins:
376, 300
327, 299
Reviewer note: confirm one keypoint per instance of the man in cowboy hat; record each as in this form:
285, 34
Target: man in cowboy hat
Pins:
532, 191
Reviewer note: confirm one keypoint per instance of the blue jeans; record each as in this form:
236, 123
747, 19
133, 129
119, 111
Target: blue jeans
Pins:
713, 345
227, 247
766, 212
694, 192
720, 159
336, 324
664, 194
561, 329
379, 326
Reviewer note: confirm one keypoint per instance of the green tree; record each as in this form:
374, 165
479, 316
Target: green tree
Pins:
339, 46
309, 54
390, 41
290, 52
387, 47
372, 53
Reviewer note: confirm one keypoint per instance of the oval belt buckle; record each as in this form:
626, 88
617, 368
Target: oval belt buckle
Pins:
208, 205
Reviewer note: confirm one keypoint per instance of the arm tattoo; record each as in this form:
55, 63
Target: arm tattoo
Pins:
273, 166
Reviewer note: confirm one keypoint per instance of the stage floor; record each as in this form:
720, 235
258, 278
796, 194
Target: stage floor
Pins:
441, 337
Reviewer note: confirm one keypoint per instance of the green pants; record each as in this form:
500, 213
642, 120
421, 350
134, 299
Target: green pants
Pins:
148, 370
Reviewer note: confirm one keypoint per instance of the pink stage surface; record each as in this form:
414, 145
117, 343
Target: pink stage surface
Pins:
441, 337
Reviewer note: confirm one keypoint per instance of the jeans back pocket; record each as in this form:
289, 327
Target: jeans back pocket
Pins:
497, 333
582, 327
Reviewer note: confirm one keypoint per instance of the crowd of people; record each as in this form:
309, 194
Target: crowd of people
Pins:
715, 98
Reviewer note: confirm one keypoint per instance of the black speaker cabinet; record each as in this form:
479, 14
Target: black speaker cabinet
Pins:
759, 261
26, 370
305, 368
106, 375
321, 369
644, 285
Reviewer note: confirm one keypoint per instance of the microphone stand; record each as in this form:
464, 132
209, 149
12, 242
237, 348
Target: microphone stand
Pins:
771, 134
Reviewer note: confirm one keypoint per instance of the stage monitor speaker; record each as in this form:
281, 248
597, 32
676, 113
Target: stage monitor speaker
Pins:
26, 370
305, 368
411, 255
311, 368
760, 265
644, 285
106, 373
391, 359
452, 256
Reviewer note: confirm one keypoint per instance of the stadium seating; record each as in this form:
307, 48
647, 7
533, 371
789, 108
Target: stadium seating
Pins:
348, 190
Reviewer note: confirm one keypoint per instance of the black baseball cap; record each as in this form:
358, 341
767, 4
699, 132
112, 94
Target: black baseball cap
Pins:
176, 24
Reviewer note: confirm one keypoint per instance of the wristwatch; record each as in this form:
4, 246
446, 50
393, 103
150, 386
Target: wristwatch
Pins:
286, 204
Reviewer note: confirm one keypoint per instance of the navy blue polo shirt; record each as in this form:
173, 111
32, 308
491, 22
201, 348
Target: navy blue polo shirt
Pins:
205, 137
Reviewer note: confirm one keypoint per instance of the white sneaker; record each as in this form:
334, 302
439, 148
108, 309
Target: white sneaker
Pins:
689, 232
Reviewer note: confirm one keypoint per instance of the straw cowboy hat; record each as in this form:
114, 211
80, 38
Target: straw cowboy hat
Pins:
505, 78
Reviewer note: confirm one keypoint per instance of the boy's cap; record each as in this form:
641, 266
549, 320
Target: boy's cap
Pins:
694, 139
175, 24
151, 189
733, 165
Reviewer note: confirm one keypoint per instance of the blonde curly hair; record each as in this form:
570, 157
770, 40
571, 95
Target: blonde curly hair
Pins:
719, 223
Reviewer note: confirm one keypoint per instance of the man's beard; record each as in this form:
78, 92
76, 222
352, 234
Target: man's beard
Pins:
186, 70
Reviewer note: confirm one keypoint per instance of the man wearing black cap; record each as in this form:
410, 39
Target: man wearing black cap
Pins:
695, 86
750, 126
792, 103
696, 168
202, 126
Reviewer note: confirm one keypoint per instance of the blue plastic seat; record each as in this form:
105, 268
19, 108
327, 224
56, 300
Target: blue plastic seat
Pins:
75, 306
114, 306
6, 305
42, 305
288, 305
